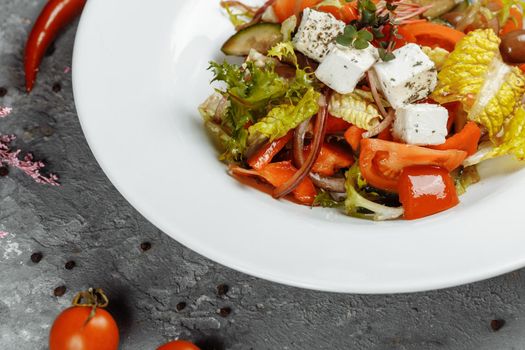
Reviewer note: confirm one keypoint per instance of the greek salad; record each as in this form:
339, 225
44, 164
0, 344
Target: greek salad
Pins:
379, 108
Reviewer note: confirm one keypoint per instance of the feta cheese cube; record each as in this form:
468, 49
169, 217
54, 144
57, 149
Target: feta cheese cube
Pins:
408, 78
316, 34
344, 67
421, 124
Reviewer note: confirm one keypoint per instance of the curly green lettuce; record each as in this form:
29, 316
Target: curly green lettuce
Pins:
256, 95
284, 51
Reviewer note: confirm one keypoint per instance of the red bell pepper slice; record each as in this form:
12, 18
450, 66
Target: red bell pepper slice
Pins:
426, 190
279, 173
466, 140
264, 156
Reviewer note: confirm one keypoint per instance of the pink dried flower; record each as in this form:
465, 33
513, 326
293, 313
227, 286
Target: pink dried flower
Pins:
5, 111
3, 234
67, 69
27, 164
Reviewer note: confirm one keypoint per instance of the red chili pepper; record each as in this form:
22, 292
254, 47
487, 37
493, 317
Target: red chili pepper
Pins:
55, 16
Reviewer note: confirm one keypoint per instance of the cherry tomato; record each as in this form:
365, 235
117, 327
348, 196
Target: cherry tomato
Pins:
179, 345
426, 190
74, 329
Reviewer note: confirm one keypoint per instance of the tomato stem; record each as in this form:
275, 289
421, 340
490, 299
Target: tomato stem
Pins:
93, 298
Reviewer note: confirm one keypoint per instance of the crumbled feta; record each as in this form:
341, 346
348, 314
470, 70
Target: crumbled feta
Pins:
316, 34
408, 78
421, 124
344, 67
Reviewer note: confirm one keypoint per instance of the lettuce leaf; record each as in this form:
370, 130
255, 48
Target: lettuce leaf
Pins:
489, 90
513, 139
466, 68
437, 55
285, 117
357, 108
324, 200
256, 93
357, 205
504, 14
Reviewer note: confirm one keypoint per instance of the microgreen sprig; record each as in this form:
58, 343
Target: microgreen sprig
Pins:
359, 39
370, 25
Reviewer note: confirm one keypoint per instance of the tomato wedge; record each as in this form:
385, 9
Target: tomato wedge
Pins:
522, 67
381, 162
284, 9
426, 190
264, 156
346, 13
466, 140
432, 34
353, 136
334, 124
330, 159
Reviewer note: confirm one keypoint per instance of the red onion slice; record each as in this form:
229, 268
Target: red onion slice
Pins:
298, 143
320, 129
375, 94
332, 184
381, 126
258, 15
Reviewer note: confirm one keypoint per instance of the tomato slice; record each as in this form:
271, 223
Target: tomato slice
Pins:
426, 190
330, 159
334, 124
346, 13
433, 35
467, 139
353, 136
285, 8
381, 162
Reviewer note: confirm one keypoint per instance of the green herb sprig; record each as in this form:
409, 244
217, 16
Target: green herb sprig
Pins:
359, 39
359, 33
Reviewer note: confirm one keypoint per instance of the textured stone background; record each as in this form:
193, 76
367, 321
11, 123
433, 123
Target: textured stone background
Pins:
168, 291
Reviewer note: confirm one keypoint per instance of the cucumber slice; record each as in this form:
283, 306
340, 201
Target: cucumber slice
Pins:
260, 36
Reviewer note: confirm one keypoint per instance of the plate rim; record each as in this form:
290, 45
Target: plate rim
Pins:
217, 257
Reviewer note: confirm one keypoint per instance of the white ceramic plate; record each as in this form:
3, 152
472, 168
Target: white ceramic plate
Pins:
139, 75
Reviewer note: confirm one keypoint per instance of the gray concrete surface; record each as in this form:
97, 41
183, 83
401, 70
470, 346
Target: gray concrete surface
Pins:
87, 221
